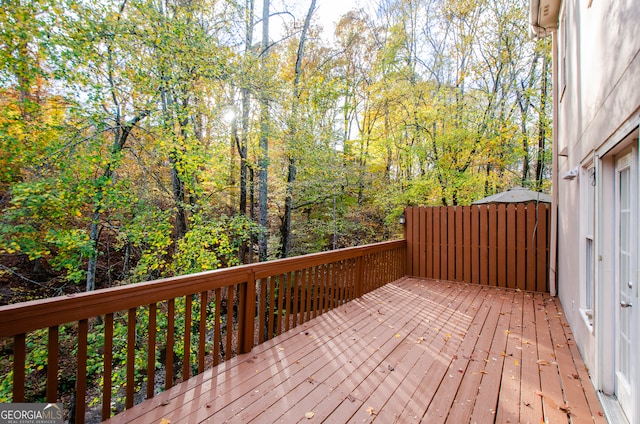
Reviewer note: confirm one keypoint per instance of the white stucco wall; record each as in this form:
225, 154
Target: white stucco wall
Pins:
600, 104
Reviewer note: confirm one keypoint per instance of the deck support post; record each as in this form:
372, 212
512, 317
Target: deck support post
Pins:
248, 311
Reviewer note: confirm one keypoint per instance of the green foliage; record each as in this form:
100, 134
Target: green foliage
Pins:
212, 242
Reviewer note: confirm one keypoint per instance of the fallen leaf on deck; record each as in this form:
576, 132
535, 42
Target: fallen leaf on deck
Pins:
398, 336
371, 411
309, 415
542, 362
483, 372
507, 332
515, 362
565, 408
165, 421
420, 340
165, 403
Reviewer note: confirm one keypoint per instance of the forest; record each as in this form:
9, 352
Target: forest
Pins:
142, 139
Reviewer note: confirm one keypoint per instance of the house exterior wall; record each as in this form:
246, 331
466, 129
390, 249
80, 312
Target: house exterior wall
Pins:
597, 119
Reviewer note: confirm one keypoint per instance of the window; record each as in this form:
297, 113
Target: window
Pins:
588, 228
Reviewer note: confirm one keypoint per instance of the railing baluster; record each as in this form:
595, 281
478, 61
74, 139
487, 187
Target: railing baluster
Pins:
81, 374
316, 290
131, 357
337, 273
272, 301
108, 360
309, 287
332, 283
151, 351
171, 313
52, 365
287, 295
262, 309
204, 300
345, 281
296, 297
19, 359
216, 329
186, 357
281, 295
303, 294
321, 288
230, 299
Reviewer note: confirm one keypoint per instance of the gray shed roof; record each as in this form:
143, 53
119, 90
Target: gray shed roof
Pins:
515, 195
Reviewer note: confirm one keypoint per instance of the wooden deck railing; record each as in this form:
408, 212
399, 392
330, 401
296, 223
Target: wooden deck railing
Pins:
169, 329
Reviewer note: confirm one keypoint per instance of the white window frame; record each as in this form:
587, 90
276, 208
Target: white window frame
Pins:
587, 243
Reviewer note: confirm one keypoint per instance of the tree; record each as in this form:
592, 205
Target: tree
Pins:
263, 162
285, 231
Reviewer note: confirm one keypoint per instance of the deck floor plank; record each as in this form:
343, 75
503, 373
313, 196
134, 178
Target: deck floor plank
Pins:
467, 394
553, 399
530, 401
576, 400
486, 404
509, 406
416, 350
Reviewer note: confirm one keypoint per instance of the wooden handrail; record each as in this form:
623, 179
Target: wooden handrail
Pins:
275, 296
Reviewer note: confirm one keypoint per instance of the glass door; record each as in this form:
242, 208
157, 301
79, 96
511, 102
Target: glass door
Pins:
625, 308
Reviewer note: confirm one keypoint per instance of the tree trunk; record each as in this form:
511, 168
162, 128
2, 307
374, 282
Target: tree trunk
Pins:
243, 140
542, 126
285, 229
264, 142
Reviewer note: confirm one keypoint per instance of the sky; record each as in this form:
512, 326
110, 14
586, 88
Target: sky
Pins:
328, 12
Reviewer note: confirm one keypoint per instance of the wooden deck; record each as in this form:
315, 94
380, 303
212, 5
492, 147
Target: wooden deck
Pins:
413, 350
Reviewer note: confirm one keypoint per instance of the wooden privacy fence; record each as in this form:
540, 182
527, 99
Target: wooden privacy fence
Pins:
497, 245
174, 327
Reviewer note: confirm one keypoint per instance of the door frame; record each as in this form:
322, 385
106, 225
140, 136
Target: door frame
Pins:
605, 273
